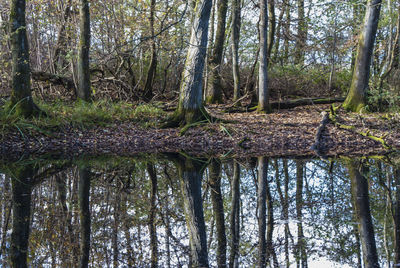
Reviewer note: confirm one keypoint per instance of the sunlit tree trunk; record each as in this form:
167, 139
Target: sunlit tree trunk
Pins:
84, 90
21, 99
235, 35
235, 217
218, 210
151, 72
84, 215
263, 92
190, 107
190, 172
214, 94
356, 97
21, 207
359, 188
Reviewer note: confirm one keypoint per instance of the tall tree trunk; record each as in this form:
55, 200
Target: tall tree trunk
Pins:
397, 220
190, 172
84, 90
272, 27
301, 33
151, 72
234, 217
21, 99
218, 210
359, 188
190, 107
262, 209
59, 53
301, 242
235, 35
356, 97
279, 31
21, 207
214, 94
84, 215
263, 92
152, 215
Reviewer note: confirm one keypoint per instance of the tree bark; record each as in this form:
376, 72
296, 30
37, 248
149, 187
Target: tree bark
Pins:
84, 90
21, 99
214, 94
356, 97
218, 210
263, 92
84, 215
191, 173
234, 217
151, 72
301, 33
190, 107
272, 27
21, 207
152, 215
235, 35
359, 188
262, 209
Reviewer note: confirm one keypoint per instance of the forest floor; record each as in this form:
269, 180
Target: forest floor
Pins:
284, 133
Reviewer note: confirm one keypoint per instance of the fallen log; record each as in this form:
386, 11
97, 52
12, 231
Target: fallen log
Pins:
302, 102
54, 79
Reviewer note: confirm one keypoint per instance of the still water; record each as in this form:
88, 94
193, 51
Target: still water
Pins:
180, 211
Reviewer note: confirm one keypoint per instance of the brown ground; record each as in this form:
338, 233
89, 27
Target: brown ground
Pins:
281, 134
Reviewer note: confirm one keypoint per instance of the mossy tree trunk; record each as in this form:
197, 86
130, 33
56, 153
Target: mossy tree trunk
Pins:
21, 98
151, 72
214, 94
357, 95
84, 91
359, 188
263, 92
235, 35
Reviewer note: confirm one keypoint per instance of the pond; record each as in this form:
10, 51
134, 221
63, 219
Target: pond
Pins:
174, 210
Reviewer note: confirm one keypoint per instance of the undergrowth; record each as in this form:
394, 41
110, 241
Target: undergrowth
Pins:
81, 115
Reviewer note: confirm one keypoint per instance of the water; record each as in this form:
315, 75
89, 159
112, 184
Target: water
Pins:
135, 212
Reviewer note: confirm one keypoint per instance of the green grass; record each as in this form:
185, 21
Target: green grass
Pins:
81, 115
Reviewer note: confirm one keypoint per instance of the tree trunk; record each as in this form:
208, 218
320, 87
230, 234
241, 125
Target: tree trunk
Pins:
356, 97
21, 207
359, 188
301, 242
234, 217
214, 94
218, 210
262, 209
397, 220
21, 99
84, 215
272, 27
287, 32
301, 33
235, 47
263, 92
84, 90
59, 53
151, 72
191, 173
152, 216
190, 107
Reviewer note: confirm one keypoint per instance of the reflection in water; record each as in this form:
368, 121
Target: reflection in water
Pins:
182, 211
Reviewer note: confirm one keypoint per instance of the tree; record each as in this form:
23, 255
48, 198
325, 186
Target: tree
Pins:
359, 189
151, 72
235, 217
215, 92
263, 92
21, 98
356, 97
84, 215
84, 90
190, 107
301, 33
262, 209
235, 48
